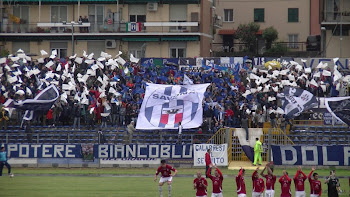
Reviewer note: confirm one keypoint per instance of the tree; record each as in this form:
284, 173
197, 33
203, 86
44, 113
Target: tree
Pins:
247, 33
269, 34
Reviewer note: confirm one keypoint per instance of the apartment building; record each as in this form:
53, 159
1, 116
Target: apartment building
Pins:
335, 22
145, 28
291, 18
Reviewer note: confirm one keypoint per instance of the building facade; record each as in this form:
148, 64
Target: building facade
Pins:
291, 18
335, 22
145, 28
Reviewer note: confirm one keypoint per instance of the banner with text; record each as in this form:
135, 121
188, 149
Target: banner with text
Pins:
218, 154
164, 151
311, 155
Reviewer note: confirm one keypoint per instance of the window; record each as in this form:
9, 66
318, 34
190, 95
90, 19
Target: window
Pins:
177, 49
58, 14
96, 17
61, 48
293, 15
259, 14
293, 39
228, 15
95, 47
25, 46
137, 13
178, 13
21, 12
137, 49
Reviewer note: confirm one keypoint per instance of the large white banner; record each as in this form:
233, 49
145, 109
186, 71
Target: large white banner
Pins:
164, 106
218, 154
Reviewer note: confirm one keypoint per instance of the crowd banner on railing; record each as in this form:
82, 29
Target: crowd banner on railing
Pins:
218, 154
342, 63
311, 155
165, 106
142, 151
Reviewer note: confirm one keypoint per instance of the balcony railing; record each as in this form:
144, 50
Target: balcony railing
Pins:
146, 27
336, 16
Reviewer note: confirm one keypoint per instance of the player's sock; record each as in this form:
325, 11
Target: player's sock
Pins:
161, 191
169, 190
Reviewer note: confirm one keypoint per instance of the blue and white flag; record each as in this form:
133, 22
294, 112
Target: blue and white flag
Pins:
164, 106
339, 107
248, 145
296, 100
40, 104
187, 80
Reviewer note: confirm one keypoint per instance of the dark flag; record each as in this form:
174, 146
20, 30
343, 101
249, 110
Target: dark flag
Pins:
40, 104
339, 107
296, 100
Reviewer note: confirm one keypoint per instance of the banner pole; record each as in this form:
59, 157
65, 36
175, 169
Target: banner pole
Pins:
269, 145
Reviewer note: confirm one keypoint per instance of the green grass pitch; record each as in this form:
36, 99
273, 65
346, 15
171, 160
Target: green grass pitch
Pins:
122, 182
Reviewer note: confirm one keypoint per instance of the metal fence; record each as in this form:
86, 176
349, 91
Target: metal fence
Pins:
235, 152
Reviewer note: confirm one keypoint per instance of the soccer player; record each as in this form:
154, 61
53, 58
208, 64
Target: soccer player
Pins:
208, 163
285, 185
333, 185
258, 184
3, 160
270, 181
241, 192
299, 182
315, 184
200, 184
217, 182
165, 170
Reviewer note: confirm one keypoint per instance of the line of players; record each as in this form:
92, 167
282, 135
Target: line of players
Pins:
200, 184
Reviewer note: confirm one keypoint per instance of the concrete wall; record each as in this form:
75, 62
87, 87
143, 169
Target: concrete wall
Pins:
276, 15
206, 28
333, 48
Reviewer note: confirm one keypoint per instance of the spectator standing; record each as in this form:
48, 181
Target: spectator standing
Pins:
122, 114
49, 117
273, 118
4, 118
131, 129
77, 115
115, 113
228, 117
261, 119
91, 116
179, 135
244, 124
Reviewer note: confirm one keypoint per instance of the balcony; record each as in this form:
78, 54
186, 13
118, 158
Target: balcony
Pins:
336, 17
146, 28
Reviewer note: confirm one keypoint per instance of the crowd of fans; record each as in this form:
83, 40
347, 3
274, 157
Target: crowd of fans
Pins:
97, 92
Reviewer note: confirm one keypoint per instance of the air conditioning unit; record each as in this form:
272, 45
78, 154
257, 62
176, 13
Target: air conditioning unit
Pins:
110, 44
152, 7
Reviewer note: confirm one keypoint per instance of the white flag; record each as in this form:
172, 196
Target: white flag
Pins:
187, 80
